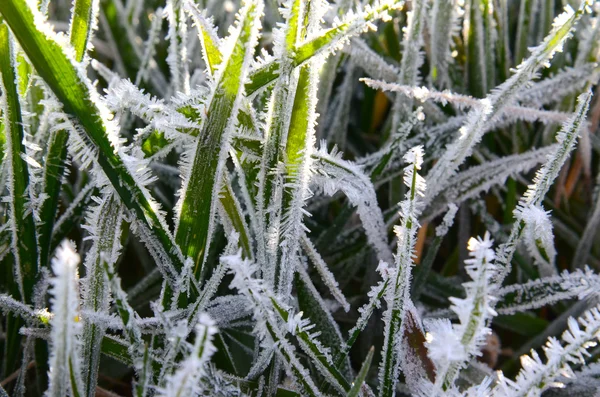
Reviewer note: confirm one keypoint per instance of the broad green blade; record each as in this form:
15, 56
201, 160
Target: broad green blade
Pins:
196, 219
209, 40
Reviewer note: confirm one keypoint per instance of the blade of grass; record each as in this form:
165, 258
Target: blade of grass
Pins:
362, 374
196, 218
106, 222
24, 241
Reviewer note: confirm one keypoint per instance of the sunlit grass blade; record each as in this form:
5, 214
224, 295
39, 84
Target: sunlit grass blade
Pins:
196, 215
83, 21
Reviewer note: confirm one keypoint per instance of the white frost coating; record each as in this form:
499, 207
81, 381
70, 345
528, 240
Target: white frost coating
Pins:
447, 222
581, 284
472, 132
475, 180
397, 294
443, 343
474, 313
252, 10
333, 174
258, 299
122, 95
186, 381
65, 361
539, 238
566, 82
537, 376
566, 139
544, 178
297, 184
375, 294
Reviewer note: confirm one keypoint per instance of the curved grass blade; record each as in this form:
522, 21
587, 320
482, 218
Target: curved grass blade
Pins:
83, 20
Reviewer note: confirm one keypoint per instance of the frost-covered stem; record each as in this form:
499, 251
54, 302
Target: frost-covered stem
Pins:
202, 171
273, 313
327, 42
536, 376
65, 362
375, 295
544, 178
153, 33
186, 381
177, 58
398, 292
546, 291
441, 29
271, 176
300, 144
105, 228
137, 347
471, 133
474, 312
411, 60
326, 275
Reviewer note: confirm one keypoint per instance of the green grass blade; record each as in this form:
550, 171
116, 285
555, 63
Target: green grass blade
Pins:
476, 56
196, 219
236, 217
24, 241
209, 40
362, 374
82, 21
77, 97
54, 168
